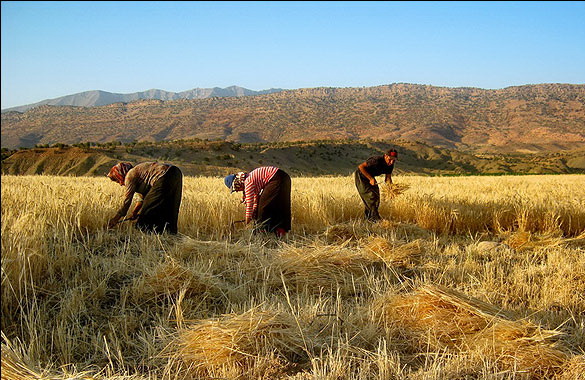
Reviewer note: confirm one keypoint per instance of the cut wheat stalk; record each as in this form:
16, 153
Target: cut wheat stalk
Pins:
444, 319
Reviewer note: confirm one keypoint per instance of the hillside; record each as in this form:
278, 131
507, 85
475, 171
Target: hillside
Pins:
211, 158
103, 98
532, 118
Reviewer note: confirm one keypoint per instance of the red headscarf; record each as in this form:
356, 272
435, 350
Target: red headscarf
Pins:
118, 172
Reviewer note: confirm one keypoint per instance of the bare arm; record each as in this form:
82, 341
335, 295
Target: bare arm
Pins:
136, 210
362, 169
124, 209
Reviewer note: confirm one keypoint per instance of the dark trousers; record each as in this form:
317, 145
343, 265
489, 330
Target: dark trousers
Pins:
370, 196
274, 210
160, 207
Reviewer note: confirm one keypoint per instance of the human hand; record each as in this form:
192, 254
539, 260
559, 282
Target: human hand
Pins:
373, 181
112, 222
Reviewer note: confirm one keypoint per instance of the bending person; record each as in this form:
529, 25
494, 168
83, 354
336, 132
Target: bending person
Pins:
158, 187
267, 192
365, 181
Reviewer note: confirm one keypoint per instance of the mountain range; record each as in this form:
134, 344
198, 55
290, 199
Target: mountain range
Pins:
530, 118
103, 98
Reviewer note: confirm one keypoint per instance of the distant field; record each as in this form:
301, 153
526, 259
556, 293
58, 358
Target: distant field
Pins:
467, 277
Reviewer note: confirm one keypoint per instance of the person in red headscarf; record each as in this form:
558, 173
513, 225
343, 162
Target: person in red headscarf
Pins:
158, 189
365, 181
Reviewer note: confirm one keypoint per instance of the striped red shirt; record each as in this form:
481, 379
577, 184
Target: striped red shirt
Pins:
253, 185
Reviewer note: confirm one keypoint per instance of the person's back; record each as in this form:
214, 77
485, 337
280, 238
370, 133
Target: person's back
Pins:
267, 193
159, 190
143, 176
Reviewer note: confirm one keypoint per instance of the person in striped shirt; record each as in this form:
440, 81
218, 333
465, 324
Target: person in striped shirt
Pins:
266, 194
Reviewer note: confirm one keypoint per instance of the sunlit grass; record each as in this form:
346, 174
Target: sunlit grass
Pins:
217, 301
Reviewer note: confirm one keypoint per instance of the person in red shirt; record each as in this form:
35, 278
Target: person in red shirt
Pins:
365, 181
267, 192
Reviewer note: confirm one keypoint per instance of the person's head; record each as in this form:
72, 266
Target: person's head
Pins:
118, 172
235, 182
391, 156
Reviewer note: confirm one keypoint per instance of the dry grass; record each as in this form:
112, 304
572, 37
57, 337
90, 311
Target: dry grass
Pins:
251, 344
81, 301
440, 319
318, 269
392, 254
171, 277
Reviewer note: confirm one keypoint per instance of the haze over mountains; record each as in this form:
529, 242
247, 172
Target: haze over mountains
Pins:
102, 98
531, 118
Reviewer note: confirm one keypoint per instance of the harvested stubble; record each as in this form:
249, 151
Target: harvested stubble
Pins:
240, 345
442, 320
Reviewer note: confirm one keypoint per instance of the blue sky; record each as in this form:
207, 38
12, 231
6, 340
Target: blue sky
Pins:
52, 49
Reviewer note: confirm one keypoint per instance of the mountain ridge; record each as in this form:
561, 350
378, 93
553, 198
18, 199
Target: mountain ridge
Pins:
529, 118
95, 98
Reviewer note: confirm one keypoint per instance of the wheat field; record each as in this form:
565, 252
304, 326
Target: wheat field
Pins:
464, 278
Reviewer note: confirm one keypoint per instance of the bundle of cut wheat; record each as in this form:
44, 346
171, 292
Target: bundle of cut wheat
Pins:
443, 319
574, 369
321, 268
171, 277
13, 367
392, 190
17, 366
381, 249
436, 316
519, 345
524, 240
341, 233
240, 345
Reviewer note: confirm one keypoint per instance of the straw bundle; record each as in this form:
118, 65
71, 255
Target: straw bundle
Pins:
574, 369
381, 249
434, 315
341, 233
17, 366
320, 268
577, 241
221, 251
13, 367
443, 319
170, 278
519, 345
524, 240
238, 345
392, 190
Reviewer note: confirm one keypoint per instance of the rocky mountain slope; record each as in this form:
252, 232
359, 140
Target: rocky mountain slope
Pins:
533, 118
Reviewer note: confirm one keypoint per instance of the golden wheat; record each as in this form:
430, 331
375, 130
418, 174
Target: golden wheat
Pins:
498, 262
